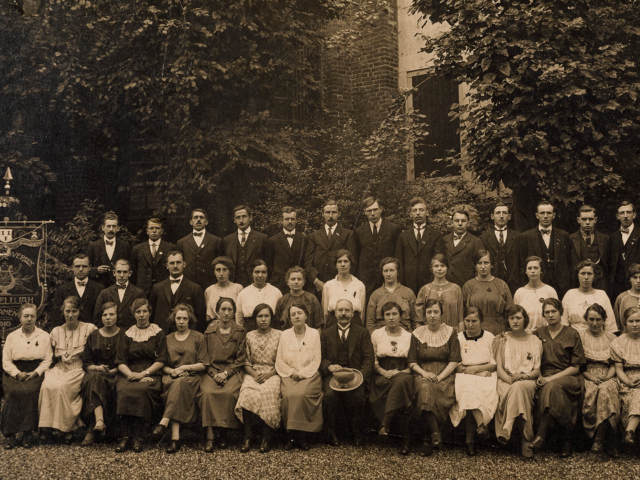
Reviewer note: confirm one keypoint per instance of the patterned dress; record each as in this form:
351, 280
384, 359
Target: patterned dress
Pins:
450, 295
262, 399
473, 391
516, 399
60, 402
434, 351
602, 401
625, 350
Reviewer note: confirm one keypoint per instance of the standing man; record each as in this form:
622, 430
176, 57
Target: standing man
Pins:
323, 243
503, 244
123, 294
589, 244
625, 249
346, 345
285, 250
375, 240
200, 248
81, 287
104, 253
460, 248
416, 247
244, 246
148, 258
174, 290
553, 246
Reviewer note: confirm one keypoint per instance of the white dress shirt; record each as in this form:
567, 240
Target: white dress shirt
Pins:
329, 229
80, 288
625, 236
496, 231
122, 290
199, 239
246, 236
175, 286
547, 237
376, 224
345, 331
289, 239
110, 248
456, 241
418, 230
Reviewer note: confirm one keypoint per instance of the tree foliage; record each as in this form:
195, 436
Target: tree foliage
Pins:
553, 104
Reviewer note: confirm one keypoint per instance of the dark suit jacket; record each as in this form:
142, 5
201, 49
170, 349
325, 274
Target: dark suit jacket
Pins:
361, 355
126, 319
632, 256
461, 267
370, 253
199, 259
319, 261
87, 301
281, 257
558, 274
147, 271
98, 256
163, 301
415, 260
510, 269
255, 245
601, 280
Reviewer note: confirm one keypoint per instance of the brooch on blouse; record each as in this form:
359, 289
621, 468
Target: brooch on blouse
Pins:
36, 343
394, 346
489, 289
541, 300
529, 356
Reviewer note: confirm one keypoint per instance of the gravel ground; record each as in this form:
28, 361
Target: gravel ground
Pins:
375, 460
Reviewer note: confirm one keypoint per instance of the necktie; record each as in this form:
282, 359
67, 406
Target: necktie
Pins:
457, 237
330, 233
342, 335
289, 235
197, 234
82, 284
420, 232
243, 238
545, 232
109, 242
501, 235
588, 240
154, 250
625, 230
121, 286
175, 280
375, 233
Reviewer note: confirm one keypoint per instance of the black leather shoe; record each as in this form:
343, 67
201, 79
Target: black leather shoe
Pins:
137, 445
357, 440
265, 446
597, 446
630, 438
123, 445
27, 440
332, 439
208, 446
224, 441
67, 438
613, 452
11, 443
427, 449
304, 443
566, 451
246, 445
404, 449
174, 446
158, 433
471, 449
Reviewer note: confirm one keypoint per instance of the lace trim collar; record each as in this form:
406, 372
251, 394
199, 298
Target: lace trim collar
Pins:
597, 348
627, 349
143, 334
433, 339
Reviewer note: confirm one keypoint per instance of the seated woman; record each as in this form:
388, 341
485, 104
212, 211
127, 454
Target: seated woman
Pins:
392, 388
488, 293
140, 357
601, 404
60, 401
531, 296
391, 291
186, 360
576, 300
630, 298
344, 286
259, 401
435, 358
625, 352
258, 292
98, 388
26, 356
475, 380
447, 293
223, 269
517, 354
560, 384
297, 363
220, 387
295, 281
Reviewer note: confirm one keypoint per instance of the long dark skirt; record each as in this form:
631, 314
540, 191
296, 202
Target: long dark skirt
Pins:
179, 397
20, 411
389, 395
139, 399
98, 389
331, 319
562, 398
217, 403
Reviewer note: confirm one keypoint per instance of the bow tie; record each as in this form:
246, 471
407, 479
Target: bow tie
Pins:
545, 232
501, 229
624, 230
457, 237
289, 235
82, 284
109, 242
197, 234
175, 280
121, 286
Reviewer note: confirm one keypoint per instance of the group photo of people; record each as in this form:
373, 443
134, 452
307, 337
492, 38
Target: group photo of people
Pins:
340, 336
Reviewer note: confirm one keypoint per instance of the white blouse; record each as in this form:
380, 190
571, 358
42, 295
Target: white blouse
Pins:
384, 344
575, 303
18, 347
251, 297
477, 351
302, 357
531, 300
333, 291
597, 349
522, 357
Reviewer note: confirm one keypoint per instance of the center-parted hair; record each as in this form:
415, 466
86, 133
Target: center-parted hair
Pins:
73, 301
341, 253
255, 264
226, 261
295, 269
183, 307
586, 263
555, 303
387, 260
298, 303
24, 306
595, 308
627, 313
140, 302
473, 311
221, 300
390, 306
513, 309
430, 303
258, 309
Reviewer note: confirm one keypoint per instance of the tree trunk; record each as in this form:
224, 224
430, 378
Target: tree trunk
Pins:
525, 199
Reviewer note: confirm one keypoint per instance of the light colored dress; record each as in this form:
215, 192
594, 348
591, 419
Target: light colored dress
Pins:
531, 300
474, 392
600, 401
627, 351
60, 402
575, 303
214, 293
261, 399
625, 300
333, 292
249, 298
449, 295
301, 399
516, 399
493, 298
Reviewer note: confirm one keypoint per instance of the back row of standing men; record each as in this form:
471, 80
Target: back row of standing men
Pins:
376, 239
